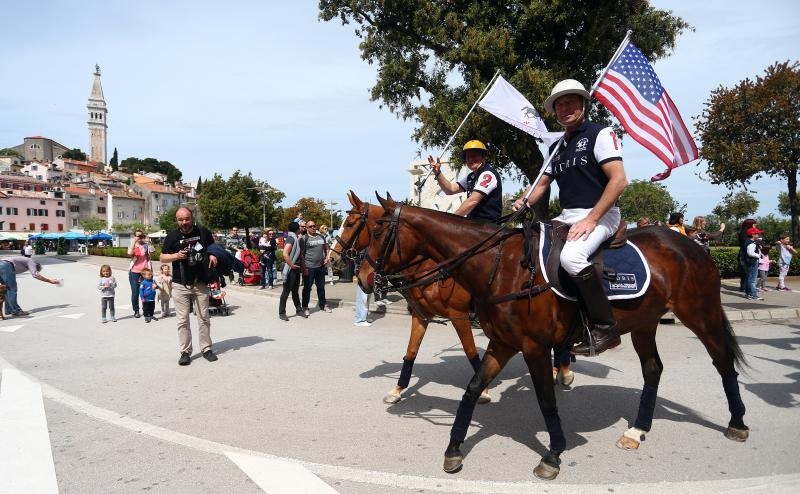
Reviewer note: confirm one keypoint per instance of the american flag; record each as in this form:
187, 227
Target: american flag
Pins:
632, 92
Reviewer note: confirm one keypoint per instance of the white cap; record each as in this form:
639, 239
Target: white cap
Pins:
567, 86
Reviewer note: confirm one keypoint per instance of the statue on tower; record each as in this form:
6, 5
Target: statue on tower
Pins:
96, 69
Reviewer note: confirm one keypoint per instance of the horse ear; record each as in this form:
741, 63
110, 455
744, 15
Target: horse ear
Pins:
389, 196
385, 203
354, 200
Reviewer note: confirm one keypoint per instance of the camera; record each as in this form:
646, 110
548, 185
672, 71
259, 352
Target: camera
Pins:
193, 256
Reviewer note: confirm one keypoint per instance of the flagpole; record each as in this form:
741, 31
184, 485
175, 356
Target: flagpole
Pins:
591, 92
421, 183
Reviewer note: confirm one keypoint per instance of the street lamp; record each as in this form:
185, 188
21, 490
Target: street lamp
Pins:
263, 190
332, 204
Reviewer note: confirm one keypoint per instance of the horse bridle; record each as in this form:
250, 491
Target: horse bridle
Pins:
348, 252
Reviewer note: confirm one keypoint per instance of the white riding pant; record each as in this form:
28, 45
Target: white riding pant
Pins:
575, 254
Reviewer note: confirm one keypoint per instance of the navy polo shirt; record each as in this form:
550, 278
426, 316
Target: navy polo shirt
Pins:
486, 181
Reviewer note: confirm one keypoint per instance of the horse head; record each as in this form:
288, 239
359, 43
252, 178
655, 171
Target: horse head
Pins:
356, 229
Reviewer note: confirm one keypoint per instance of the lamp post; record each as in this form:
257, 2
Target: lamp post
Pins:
263, 190
332, 204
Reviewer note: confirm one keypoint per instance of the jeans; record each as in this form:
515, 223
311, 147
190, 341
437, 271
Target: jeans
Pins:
291, 284
362, 305
752, 273
134, 279
268, 273
314, 276
107, 303
9, 278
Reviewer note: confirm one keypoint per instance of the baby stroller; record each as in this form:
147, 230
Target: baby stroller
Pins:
216, 299
252, 269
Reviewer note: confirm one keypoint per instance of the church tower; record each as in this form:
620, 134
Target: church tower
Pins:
98, 127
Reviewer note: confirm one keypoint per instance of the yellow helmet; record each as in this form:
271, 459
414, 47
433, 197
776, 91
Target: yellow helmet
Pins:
473, 144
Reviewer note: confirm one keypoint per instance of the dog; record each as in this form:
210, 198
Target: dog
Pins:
3, 290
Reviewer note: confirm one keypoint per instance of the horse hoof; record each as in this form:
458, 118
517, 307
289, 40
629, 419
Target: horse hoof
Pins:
627, 443
391, 397
545, 471
567, 378
484, 398
738, 435
453, 464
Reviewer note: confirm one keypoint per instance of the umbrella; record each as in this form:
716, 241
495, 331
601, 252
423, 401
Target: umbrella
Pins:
73, 236
100, 236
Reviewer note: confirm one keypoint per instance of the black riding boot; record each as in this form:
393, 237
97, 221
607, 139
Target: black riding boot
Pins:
602, 326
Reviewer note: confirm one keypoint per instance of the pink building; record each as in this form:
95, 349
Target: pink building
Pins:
32, 211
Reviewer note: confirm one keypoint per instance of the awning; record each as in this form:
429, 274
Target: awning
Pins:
6, 236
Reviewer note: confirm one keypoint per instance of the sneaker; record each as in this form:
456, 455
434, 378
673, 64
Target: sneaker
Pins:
786, 289
327, 309
137, 315
271, 287
383, 302
20, 313
103, 321
362, 324
209, 355
146, 319
113, 319
185, 359
283, 317
154, 318
306, 313
331, 283
262, 287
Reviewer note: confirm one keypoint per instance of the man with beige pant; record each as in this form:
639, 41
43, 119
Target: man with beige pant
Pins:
187, 250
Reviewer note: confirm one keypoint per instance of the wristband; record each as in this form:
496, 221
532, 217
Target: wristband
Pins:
436, 174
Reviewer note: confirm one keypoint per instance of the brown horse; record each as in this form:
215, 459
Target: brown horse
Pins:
444, 299
684, 280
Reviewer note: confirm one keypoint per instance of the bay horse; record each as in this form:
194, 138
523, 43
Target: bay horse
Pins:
444, 298
485, 259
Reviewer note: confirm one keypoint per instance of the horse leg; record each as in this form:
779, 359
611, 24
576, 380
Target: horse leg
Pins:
561, 372
539, 365
644, 342
418, 328
496, 357
721, 345
464, 332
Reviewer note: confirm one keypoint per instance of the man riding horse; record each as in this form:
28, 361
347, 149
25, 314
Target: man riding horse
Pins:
588, 169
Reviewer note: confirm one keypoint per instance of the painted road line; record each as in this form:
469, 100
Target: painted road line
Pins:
73, 316
278, 476
26, 460
10, 329
778, 484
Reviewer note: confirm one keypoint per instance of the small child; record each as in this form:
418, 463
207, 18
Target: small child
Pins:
165, 289
147, 293
763, 268
106, 285
785, 253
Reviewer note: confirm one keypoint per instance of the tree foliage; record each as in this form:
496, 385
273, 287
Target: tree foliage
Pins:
737, 205
152, 165
753, 130
93, 224
784, 205
237, 201
167, 219
648, 199
312, 209
435, 58
74, 154
114, 163
10, 152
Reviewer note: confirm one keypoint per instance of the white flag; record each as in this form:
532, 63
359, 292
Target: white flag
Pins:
506, 103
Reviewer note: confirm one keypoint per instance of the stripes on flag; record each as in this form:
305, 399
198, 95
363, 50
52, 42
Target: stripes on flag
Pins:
632, 91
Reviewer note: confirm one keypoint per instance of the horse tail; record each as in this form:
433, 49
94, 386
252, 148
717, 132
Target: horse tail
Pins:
732, 348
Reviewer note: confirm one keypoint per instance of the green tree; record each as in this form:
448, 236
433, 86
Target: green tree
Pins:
152, 165
74, 154
434, 59
773, 227
10, 152
650, 199
753, 129
114, 163
784, 205
167, 220
312, 209
737, 206
93, 224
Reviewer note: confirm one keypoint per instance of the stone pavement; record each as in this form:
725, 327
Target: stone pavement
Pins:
776, 305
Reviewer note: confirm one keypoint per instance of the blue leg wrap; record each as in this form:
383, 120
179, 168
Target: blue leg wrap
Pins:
558, 442
463, 417
405, 373
647, 404
735, 404
475, 362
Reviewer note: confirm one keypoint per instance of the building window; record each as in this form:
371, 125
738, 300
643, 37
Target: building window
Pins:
61, 227
74, 222
101, 210
12, 211
32, 227
45, 227
41, 203
74, 209
120, 215
12, 226
73, 196
60, 213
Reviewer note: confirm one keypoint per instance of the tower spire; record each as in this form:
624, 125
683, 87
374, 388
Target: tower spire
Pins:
98, 126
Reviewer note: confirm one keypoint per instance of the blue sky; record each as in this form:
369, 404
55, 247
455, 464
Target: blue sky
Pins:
265, 87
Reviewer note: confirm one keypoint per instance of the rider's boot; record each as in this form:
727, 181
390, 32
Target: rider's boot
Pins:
603, 328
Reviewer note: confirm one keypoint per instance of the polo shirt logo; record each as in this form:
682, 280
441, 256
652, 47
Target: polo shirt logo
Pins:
581, 145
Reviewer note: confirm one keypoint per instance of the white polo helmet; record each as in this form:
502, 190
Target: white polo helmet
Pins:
567, 86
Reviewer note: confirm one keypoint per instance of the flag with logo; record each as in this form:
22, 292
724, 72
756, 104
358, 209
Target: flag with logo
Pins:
632, 91
506, 103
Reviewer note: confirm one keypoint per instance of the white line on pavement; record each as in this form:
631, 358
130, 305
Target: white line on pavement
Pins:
276, 476
777, 483
26, 460
73, 316
11, 329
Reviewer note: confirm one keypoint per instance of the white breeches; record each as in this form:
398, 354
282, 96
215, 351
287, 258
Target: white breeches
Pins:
574, 256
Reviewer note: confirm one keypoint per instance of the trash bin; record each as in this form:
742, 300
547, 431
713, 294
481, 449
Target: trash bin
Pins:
348, 271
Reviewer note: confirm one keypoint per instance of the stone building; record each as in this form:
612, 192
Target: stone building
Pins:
429, 194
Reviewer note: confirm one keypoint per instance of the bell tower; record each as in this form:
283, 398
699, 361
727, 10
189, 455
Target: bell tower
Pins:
98, 126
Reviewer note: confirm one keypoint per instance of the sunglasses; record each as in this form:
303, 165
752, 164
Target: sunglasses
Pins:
311, 226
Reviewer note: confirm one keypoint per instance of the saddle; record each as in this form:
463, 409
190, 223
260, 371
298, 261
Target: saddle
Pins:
619, 263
